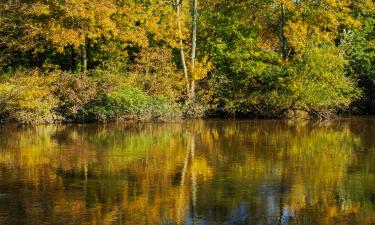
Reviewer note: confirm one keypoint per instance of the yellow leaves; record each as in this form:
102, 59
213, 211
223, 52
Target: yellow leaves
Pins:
94, 18
128, 22
297, 35
30, 98
201, 68
38, 9
332, 14
320, 35
5, 90
321, 20
351, 22
156, 73
29, 89
289, 4
62, 37
135, 22
366, 7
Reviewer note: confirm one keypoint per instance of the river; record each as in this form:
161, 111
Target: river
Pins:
191, 172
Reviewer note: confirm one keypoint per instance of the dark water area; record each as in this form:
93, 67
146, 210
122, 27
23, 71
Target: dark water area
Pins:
192, 172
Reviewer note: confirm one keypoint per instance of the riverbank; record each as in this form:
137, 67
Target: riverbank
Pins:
40, 97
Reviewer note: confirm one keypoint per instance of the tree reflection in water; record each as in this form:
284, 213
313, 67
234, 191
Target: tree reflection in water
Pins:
232, 172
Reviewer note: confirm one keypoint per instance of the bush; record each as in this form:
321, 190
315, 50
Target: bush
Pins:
33, 97
164, 109
129, 102
320, 85
27, 97
315, 83
156, 73
75, 92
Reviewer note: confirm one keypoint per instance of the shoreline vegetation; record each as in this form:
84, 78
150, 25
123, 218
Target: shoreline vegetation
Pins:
106, 60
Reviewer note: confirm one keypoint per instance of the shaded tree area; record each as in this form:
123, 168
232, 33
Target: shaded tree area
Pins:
80, 60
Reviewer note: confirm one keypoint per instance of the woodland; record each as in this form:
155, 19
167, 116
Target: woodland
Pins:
110, 60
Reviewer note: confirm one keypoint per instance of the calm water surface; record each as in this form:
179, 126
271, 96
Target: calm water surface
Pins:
201, 172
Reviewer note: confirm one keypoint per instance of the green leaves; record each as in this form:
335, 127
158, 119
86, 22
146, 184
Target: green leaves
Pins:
360, 50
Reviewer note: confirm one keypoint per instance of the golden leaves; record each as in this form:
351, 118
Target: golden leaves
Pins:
72, 21
297, 35
38, 9
321, 21
159, 74
29, 98
201, 68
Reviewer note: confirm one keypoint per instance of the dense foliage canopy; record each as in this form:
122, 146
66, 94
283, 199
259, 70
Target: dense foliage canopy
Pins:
81, 60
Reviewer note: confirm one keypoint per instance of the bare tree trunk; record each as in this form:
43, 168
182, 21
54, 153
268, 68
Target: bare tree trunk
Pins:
84, 56
182, 53
193, 49
284, 49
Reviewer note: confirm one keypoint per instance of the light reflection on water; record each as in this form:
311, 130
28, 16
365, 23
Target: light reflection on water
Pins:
201, 172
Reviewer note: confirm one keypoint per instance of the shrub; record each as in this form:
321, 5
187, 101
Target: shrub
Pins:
27, 97
129, 103
316, 83
156, 73
164, 109
75, 92
33, 97
122, 103
320, 85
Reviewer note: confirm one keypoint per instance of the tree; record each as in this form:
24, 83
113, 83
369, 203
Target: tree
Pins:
360, 46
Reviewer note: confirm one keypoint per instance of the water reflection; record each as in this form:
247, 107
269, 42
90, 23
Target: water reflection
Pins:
233, 172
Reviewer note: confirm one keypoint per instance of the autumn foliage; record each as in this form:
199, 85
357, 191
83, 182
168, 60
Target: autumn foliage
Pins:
100, 59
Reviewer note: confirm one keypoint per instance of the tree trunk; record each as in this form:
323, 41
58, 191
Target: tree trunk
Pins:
84, 56
193, 49
284, 49
182, 53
